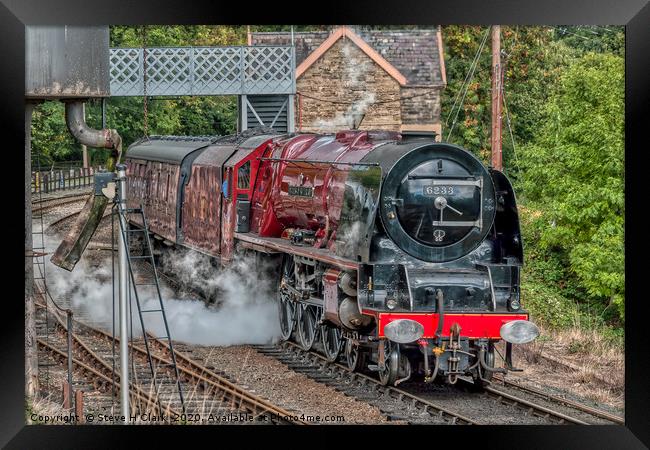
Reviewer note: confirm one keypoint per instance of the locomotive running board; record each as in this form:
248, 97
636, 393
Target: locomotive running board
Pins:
273, 245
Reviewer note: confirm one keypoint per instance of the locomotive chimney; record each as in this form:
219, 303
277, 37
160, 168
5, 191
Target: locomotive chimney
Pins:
356, 119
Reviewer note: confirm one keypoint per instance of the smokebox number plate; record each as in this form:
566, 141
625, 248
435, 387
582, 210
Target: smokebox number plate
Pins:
301, 191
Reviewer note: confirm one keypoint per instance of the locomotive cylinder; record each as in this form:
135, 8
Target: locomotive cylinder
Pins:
348, 284
350, 315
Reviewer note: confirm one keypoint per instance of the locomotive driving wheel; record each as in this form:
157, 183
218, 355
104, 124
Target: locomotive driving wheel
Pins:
388, 374
354, 357
332, 342
286, 305
396, 364
307, 318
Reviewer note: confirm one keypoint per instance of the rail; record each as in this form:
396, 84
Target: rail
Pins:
92, 365
412, 410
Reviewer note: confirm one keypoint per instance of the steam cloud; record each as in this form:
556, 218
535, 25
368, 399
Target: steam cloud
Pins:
246, 312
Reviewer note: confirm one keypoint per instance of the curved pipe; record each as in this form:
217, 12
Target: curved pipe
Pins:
434, 374
481, 359
71, 248
441, 312
76, 122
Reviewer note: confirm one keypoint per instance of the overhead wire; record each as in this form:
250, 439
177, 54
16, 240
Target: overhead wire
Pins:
471, 75
508, 119
565, 31
464, 81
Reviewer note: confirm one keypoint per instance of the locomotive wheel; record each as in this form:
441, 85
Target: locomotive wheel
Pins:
394, 359
287, 320
286, 306
332, 342
487, 376
307, 328
354, 356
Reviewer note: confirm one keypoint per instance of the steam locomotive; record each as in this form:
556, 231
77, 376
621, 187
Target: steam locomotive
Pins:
400, 253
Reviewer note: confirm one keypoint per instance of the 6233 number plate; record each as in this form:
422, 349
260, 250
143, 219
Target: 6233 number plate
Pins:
439, 190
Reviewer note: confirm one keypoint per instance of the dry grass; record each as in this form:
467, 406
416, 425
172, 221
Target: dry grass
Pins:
49, 407
581, 361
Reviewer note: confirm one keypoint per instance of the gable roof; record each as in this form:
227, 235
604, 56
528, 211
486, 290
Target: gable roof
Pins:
348, 33
415, 54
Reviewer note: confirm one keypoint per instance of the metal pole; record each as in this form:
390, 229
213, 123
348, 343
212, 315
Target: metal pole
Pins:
70, 393
84, 149
497, 103
122, 290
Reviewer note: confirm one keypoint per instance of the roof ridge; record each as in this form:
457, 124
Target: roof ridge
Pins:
345, 31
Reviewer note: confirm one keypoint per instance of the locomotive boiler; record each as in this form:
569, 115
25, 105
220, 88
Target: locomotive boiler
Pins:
399, 253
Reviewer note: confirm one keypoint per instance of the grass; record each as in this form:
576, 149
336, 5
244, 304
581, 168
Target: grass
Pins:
43, 407
593, 350
585, 361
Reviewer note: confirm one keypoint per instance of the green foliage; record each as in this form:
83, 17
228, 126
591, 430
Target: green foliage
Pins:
547, 305
177, 35
51, 141
565, 107
471, 128
575, 179
610, 39
532, 61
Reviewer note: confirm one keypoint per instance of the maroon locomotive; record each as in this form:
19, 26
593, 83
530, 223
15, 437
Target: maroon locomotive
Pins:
401, 252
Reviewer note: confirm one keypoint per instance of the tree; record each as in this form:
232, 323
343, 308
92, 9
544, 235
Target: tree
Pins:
51, 140
574, 175
597, 39
532, 60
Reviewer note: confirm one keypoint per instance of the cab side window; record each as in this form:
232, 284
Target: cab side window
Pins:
244, 176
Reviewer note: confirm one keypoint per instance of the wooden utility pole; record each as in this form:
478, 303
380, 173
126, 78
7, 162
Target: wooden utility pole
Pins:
497, 100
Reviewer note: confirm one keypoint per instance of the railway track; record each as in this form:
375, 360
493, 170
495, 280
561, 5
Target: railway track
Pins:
93, 361
397, 404
589, 414
60, 220
422, 403
48, 203
207, 394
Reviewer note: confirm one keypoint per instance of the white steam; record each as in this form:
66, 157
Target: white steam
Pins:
246, 312
354, 75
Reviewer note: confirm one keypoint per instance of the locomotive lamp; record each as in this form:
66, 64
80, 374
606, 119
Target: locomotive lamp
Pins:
519, 332
404, 331
514, 304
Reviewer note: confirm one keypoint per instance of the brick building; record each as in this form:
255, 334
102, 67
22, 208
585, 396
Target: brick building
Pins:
388, 79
